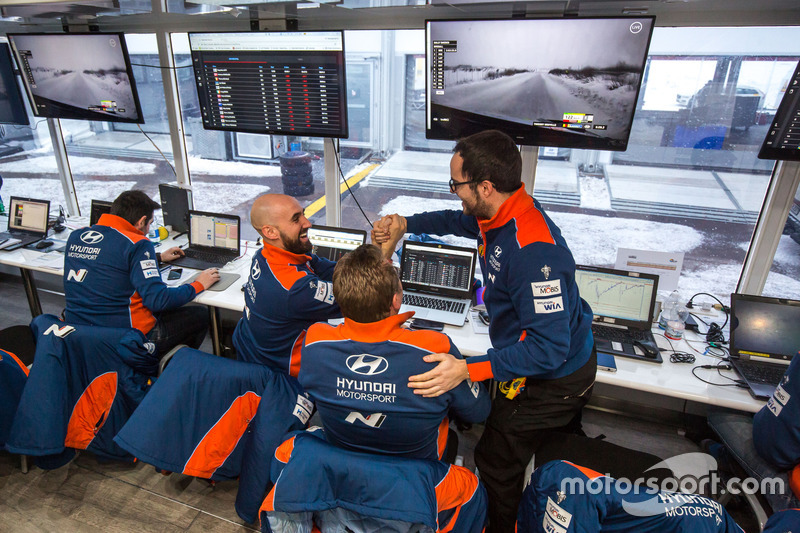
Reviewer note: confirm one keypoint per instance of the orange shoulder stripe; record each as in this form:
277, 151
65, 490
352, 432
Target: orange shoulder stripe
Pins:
456, 489
532, 227
286, 275
18, 361
91, 411
322, 331
432, 341
219, 442
588, 472
284, 451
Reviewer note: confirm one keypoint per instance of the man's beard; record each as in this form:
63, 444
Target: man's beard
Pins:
295, 245
479, 209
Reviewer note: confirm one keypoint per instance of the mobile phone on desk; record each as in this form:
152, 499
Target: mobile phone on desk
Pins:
606, 361
421, 323
175, 273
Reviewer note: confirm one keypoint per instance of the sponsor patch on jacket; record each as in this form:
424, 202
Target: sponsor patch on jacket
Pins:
475, 388
149, 263
781, 395
546, 288
774, 406
300, 410
549, 526
324, 292
559, 515
150, 273
305, 402
548, 305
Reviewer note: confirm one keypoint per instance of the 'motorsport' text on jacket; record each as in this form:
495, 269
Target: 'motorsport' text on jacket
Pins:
776, 427
85, 383
216, 418
540, 327
357, 375
569, 498
319, 485
111, 278
284, 295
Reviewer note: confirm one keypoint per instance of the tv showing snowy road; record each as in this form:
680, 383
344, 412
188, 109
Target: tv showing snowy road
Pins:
78, 76
550, 82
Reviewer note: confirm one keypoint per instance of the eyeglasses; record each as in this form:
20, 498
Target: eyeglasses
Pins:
456, 184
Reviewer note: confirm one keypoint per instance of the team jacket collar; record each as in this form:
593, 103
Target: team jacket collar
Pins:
517, 203
374, 331
273, 254
118, 223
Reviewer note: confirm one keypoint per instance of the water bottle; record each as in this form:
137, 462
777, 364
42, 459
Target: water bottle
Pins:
676, 322
671, 302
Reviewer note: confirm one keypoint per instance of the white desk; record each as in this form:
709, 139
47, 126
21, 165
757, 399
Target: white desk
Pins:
668, 379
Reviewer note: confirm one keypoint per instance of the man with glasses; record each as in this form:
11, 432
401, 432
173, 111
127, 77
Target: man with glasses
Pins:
543, 350
111, 279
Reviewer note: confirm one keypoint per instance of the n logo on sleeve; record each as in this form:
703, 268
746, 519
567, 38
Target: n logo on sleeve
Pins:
62, 331
77, 275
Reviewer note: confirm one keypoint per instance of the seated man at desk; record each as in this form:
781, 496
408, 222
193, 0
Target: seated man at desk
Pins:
289, 288
111, 279
363, 399
540, 329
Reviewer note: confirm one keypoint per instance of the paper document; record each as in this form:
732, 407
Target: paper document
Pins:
666, 264
477, 325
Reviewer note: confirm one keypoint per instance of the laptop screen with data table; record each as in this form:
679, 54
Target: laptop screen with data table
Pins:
437, 268
214, 230
332, 243
29, 215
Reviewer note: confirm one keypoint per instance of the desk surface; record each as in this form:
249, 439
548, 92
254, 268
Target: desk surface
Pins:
667, 379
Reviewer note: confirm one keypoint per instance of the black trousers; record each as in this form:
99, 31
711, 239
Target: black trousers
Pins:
515, 429
183, 325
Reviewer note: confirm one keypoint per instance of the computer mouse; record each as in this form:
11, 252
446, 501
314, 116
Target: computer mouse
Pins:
43, 244
649, 351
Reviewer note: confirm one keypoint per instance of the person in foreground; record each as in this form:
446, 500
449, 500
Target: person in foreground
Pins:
111, 279
543, 350
289, 288
357, 372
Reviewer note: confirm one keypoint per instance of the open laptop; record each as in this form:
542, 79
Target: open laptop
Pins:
332, 243
27, 222
765, 335
437, 281
98, 209
213, 240
622, 302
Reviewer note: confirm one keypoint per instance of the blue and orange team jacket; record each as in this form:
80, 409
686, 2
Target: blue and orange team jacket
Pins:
13, 375
357, 374
111, 278
564, 497
284, 295
83, 387
319, 485
776, 427
540, 326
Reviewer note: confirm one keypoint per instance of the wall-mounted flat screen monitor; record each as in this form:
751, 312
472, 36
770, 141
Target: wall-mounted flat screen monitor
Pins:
289, 83
570, 83
783, 138
83, 76
12, 108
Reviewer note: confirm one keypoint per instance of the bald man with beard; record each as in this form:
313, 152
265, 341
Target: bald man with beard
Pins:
288, 290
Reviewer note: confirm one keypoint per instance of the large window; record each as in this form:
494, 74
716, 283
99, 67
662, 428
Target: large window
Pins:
783, 280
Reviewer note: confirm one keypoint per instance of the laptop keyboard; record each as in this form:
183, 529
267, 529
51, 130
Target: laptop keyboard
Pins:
209, 257
433, 303
757, 372
620, 335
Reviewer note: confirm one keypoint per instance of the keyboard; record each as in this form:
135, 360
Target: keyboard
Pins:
620, 335
209, 257
757, 372
433, 303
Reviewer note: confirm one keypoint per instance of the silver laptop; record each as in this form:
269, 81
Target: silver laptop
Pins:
765, 336
27, 222
437, 281
622, 302
332, 243
213, 240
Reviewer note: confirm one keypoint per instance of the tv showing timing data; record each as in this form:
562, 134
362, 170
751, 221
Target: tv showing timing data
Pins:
569, 83
84, 76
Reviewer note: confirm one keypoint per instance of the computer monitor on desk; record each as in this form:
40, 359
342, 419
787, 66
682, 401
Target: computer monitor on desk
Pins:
332, 243
175, 205
99, 208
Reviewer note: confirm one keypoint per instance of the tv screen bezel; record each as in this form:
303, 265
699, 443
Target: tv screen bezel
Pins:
344, 131
54, 109
782, 114
531, 135
15, 98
